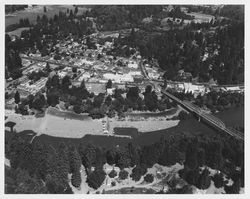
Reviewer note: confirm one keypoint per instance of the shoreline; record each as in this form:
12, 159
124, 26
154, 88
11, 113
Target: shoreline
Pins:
59, 126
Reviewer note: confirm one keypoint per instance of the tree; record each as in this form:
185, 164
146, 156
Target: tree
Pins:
148, 89
48, 67
109, 84
40, 156
96, 178
55, 83
66, 83
149, 155
191, 160
83, 85
88, 155
108, 100
111, 155
17, 97
170, 156
133, 153
71, 14
44, 9
191, 176
38, 19
55, 186
218, 180
52, 98
151, 101
6, 96
204, 180
149, 178
20, 182
123, 174
39, 101
74, 70
138, 172
59, 169
123, 159
201, 157
112, 174
77, 109
98, 100
74, 160
76, 179
213, 153
76, 10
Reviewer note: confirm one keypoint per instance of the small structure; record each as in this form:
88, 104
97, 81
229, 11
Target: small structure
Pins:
10, 125
184, 76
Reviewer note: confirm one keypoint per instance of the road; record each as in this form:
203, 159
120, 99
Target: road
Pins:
39, 59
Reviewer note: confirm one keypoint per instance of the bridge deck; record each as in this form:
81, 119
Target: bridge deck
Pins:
208, 117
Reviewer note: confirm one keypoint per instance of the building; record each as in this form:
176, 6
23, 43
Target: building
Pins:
27, 88
132, 64
184, 76
110, 91
195, 89
118, 78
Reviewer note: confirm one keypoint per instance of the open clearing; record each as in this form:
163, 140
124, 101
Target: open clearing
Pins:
59, 126
56, 126
144, 126
31, 13
159, 172
17, 32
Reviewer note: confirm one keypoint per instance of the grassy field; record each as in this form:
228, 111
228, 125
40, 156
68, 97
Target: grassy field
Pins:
66, 114
32, 13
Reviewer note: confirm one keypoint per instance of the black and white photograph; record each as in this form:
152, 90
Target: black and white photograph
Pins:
123, 98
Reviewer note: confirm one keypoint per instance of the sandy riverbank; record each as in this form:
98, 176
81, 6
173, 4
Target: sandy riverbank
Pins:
56, 126
144, 126
72, 128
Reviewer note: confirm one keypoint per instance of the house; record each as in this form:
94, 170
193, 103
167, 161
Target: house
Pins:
110, 91
132, 64
195, 88
138, 78
232, 88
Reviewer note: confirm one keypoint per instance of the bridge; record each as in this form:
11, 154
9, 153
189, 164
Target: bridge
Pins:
210, 119
216, 122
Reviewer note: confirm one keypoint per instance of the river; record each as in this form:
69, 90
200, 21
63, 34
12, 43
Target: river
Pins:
232, 117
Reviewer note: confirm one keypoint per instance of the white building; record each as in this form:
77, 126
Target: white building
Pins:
195, 88
117, 78
61, 74
134, 73
84, 76
133, 65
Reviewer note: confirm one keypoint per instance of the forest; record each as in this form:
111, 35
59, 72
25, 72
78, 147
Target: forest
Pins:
185, 49
39, 168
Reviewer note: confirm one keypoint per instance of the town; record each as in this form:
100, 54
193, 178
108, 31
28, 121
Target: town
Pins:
124, 99
96, 68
